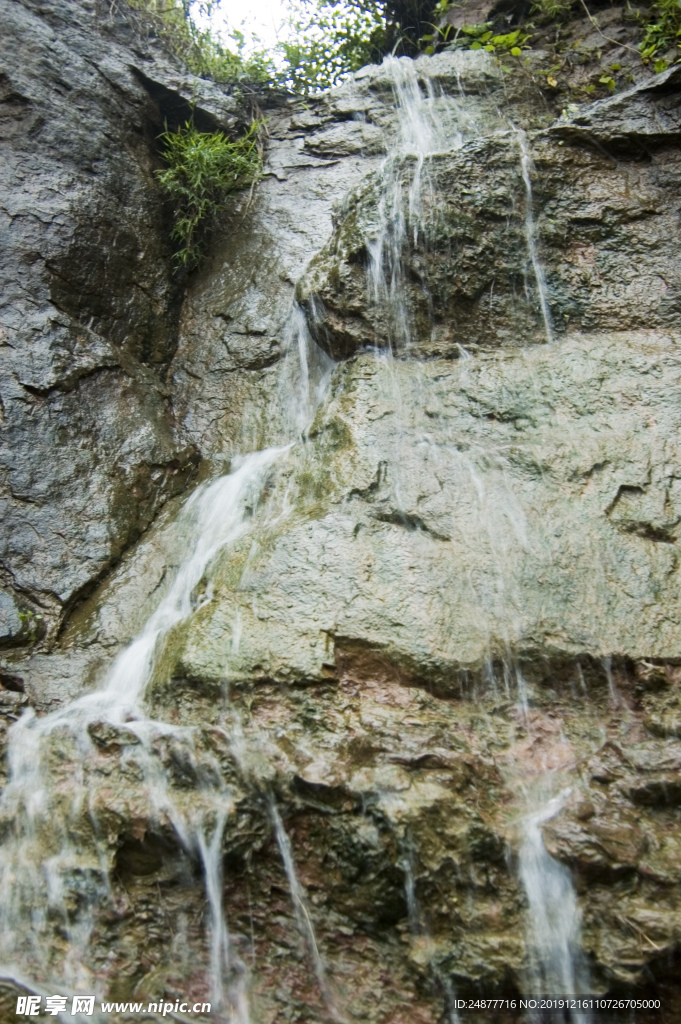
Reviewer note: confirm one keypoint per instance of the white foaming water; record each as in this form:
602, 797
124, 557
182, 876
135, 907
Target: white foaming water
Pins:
216, 514
222, 960
553, 932
304, 377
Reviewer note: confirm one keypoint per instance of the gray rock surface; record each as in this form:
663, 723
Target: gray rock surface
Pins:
604, 230
647, 115
447, 514
88, 321
236, 321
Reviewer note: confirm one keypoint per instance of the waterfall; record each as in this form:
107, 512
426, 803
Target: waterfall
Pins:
531, 234
400, 222
420, 932
553, 927
36, 888
48, 804
302, 910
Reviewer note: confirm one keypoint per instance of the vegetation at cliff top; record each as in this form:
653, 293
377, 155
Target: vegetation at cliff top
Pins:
663, 34
202, 170
330, 38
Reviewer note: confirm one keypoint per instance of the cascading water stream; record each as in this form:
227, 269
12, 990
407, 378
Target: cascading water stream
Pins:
216, 515
420, 932
531, 234
399, 223
302, 910
553, 932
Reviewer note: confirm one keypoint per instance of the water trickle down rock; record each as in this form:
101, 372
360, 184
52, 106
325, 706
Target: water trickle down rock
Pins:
523, 527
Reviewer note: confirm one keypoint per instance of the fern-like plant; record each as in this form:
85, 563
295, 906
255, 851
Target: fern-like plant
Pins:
203, 169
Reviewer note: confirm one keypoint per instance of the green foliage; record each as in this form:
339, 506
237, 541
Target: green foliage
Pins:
552, 10
203, 168
663, 34
441, 30
197, 48
482, 37
470, 37
331, 39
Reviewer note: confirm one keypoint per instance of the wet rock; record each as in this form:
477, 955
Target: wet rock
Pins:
647, 115
382, 550
460, 581
110, 737
609, 845
90, 452
469, 276
236, 322
12, 703
11, 624
664, 715
660, 791
19, 624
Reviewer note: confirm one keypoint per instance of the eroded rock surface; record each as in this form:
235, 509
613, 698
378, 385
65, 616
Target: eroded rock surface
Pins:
453, 598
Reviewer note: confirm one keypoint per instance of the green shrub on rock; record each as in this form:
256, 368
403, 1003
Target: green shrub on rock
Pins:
662, 40
203, 169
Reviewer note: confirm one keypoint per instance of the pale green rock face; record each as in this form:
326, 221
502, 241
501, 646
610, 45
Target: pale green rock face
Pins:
449, 514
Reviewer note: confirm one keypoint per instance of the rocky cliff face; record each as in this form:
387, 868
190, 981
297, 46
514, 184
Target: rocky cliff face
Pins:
436, 668
90, 306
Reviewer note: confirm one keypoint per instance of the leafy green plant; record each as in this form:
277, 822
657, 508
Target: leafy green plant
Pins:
198, 49
441, 29
482, 37
329, 39
663, 34
552, 10
470, 37
203, 169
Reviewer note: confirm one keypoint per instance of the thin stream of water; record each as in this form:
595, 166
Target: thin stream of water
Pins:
302, 910
553, 935
553, 924
531, 234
